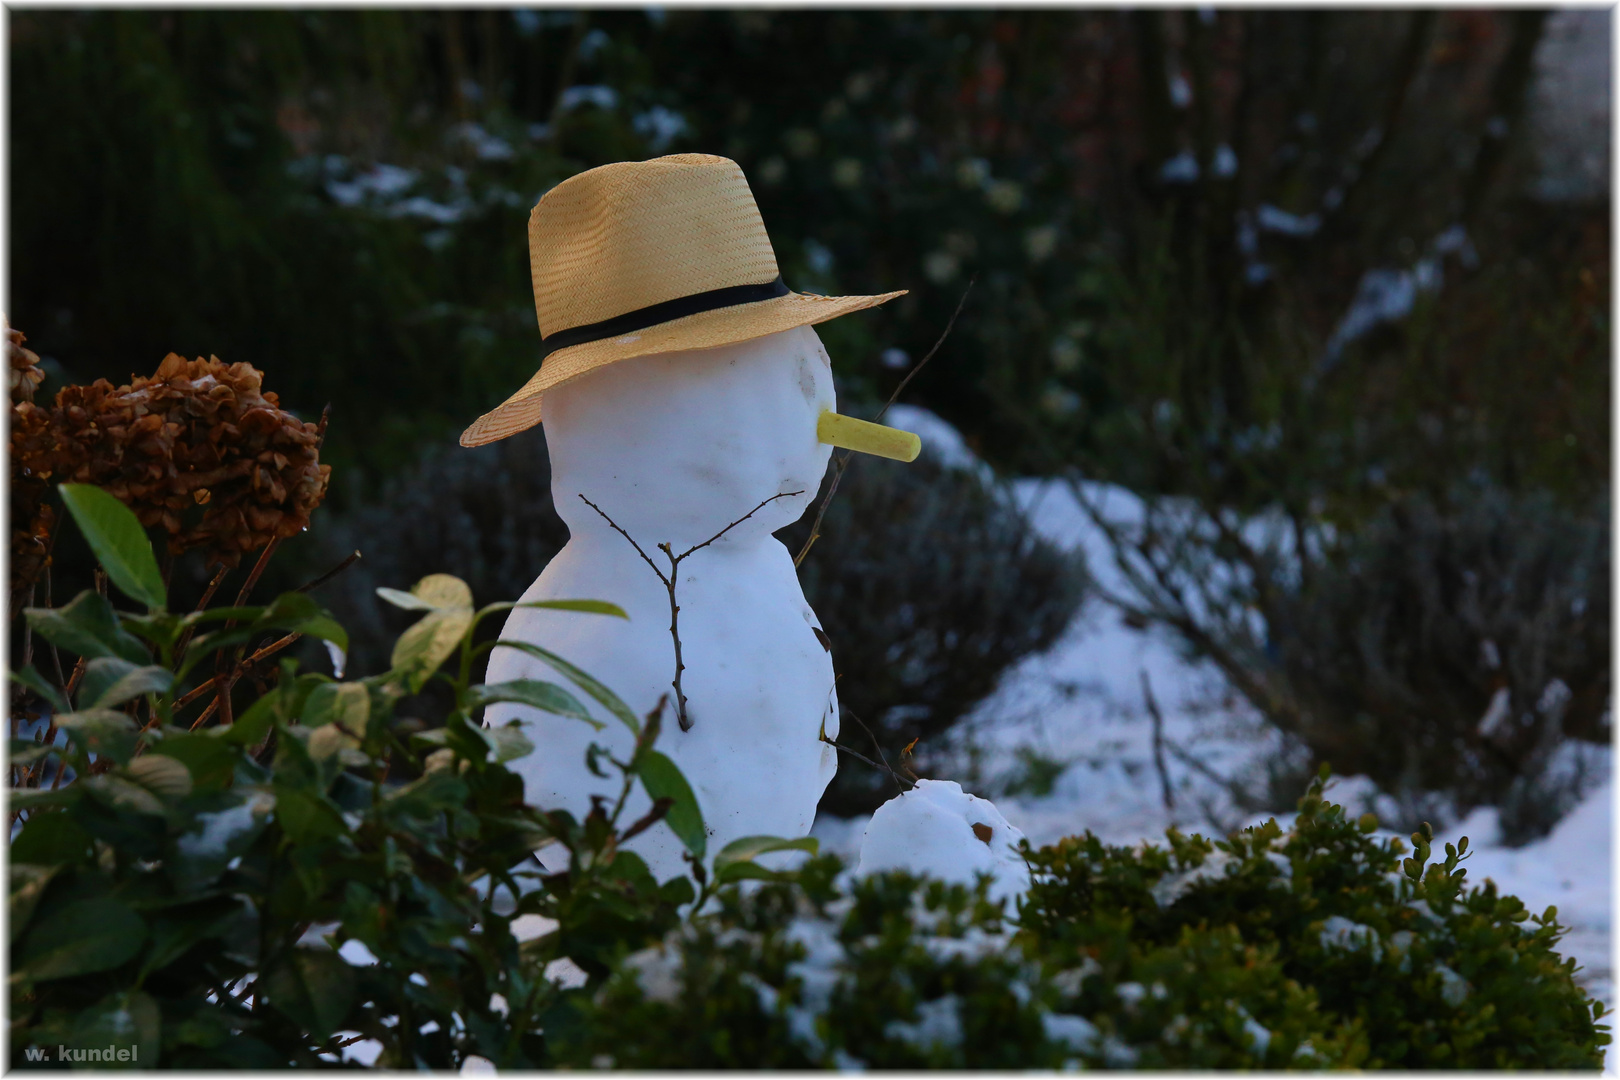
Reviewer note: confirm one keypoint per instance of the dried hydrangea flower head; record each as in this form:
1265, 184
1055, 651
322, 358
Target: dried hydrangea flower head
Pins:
23, 364
31, 515
198, 450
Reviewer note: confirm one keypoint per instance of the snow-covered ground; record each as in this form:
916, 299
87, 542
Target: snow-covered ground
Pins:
1083, 705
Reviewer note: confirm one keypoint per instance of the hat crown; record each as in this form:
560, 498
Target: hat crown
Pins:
622, 237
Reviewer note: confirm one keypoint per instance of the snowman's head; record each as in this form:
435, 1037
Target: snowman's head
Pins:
676, 446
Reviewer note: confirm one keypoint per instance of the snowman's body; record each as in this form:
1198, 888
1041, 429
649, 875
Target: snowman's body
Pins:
674, 447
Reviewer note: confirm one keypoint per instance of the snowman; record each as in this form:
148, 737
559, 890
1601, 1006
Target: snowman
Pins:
689, 409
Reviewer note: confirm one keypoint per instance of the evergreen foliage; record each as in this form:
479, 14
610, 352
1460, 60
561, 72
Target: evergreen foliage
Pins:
1319, 945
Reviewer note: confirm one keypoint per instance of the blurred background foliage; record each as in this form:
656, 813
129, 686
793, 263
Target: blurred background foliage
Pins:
1345, 272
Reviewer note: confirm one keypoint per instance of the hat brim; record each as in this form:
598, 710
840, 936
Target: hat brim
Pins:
705, 330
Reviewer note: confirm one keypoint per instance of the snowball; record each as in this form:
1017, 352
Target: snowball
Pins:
940, 830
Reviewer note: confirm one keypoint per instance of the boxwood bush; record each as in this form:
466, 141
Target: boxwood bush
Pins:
1319, 945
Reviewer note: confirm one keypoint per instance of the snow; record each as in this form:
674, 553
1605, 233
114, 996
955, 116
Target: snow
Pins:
674, 447
1347, 935
603, 97
938, 1023
939, 830
1082, 704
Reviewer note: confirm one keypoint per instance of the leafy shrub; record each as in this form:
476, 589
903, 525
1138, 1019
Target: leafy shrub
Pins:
185, 896
1316, 946
928, 584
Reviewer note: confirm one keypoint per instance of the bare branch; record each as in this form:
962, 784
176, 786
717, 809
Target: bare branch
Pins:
1158, 741
669, 585
627, 536
330, 574
763, 504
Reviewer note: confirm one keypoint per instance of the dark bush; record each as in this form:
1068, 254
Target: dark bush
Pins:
928, 582
1454, 647
929, 585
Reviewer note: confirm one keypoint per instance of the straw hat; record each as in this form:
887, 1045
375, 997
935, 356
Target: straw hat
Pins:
643, 257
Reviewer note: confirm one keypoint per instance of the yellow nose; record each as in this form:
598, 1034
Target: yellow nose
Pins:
852, 434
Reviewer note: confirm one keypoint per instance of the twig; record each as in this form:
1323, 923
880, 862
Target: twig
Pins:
669, 584
901, 783
56, 657
245, 667
213, 707
202, 605
330, 574
268, 650
845, 455
856, 754
258, 569
225, 675
1158, 741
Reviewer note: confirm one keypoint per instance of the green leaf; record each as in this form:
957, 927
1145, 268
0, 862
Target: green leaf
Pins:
421, 649
163, 776
87, 626
744, 871
591, 607
104, 732
159, 627
293, 612
432, 794
120, 544
307, 816
401, 599
50, 839
749, 848
209, 760
547, 697
178, 929
35, 798
123, 793
314, 988
444, 591
79, 938
222, 614
296, 613
126, 1020
110, 681
253, 725
735, 861
28, 882
37, 683
663, 780
347, 705
509, 743
27, 751
605, 697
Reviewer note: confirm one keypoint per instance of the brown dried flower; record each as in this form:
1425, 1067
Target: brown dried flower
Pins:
23, 364
197, 449
31, 515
